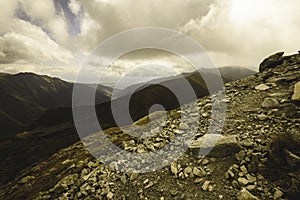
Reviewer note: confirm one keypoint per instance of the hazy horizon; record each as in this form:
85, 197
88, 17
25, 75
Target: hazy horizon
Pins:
119, 83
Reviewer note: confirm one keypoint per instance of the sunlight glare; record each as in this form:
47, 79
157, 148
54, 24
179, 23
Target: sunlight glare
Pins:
248, 10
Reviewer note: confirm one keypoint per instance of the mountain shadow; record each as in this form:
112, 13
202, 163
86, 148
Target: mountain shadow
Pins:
25, 97
144, 96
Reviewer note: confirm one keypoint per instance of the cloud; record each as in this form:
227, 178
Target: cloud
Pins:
6, 14
45, 15
31, 33
67, 73
74, 6
60, 33
234, 32
142, 63
240, 32
105, 18
30, 44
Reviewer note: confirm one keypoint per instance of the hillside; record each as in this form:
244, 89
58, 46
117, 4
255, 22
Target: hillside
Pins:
25, 97
228, 74
257, 157
145, 95
55, 129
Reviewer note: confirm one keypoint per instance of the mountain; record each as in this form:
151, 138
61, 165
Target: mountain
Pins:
228, 74
233, 73
145, 95
256, 157
25, 97
54, 129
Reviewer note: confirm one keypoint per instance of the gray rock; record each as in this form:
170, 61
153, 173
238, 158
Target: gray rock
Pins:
179, 132
270, 103
198, 172
250, 187
244, 169
188, 170
244, 194
149, 185
247, 143
235, 184
146, 181
243, 181
210, 188
277, 194
110, 195
296, 95
271, 62
205, 162
184, 126
262, 87
215, 145
262, 117
198, 180
133, 176
84, 172
229, 174
250, 178
174, 169
123, 179
205, 185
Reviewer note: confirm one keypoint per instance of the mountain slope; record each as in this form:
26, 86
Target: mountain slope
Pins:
228, 74
147, 94
262, 109
233, 73
40, 140
24, 97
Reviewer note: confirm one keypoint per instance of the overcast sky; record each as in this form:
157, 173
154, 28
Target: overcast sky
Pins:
54, 36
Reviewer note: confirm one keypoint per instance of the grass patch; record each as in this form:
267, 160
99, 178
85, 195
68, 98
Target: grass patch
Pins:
283, 165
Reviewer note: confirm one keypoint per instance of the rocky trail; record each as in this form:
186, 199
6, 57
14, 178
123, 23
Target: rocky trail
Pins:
257, 156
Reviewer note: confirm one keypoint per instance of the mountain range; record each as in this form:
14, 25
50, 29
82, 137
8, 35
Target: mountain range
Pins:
46, 106
142, 96
260, 139
25, 97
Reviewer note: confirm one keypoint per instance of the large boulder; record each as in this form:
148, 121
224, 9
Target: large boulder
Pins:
215, 145
270, 103
272, 61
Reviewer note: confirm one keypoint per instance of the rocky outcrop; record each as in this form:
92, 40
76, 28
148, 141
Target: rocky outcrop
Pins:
272, 61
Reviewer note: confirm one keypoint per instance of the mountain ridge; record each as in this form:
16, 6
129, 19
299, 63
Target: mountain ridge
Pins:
25, 96
155, 91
